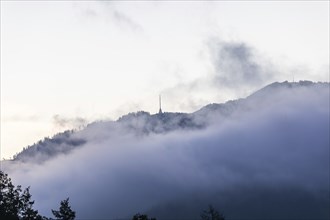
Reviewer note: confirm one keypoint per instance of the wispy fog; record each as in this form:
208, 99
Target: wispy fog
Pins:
238, 64
268, 160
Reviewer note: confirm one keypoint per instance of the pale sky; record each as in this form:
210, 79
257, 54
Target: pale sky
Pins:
68, 62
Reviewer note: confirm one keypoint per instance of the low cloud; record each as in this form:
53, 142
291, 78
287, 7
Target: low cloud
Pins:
69, 123
236, 63
235, 70
268, 160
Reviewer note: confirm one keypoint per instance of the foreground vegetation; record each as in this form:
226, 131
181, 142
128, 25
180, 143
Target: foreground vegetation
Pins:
16, 204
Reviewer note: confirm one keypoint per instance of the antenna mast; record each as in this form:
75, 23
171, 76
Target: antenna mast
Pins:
160, 105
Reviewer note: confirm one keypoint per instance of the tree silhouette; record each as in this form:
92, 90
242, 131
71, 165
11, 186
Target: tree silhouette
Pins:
16, 204
27, 212
212, 214
13, 203
65, 212
139, 216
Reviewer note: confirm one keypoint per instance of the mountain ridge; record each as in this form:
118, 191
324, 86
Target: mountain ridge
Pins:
143, 123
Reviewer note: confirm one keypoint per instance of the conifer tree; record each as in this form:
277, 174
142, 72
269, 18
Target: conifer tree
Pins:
139, 216
9, 198
212, 214
65, 212
27, 212
15, 204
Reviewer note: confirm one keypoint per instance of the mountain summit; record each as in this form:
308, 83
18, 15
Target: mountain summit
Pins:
143, 123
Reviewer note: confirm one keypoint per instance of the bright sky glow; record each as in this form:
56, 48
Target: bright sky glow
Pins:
98, 59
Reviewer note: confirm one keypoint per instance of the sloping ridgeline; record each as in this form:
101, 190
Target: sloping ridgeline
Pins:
60, 143
143, 123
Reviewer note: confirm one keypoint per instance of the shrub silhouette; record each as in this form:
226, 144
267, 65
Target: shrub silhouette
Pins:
139, 216
212, 214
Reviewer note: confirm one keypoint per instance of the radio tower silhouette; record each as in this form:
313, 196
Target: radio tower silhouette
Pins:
160, 105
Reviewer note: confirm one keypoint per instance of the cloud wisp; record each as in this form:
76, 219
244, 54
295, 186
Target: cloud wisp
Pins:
268, 160
109, 12
66, 122
234, 69
236, 63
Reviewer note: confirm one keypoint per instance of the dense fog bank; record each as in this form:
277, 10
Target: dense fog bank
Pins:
267, 159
